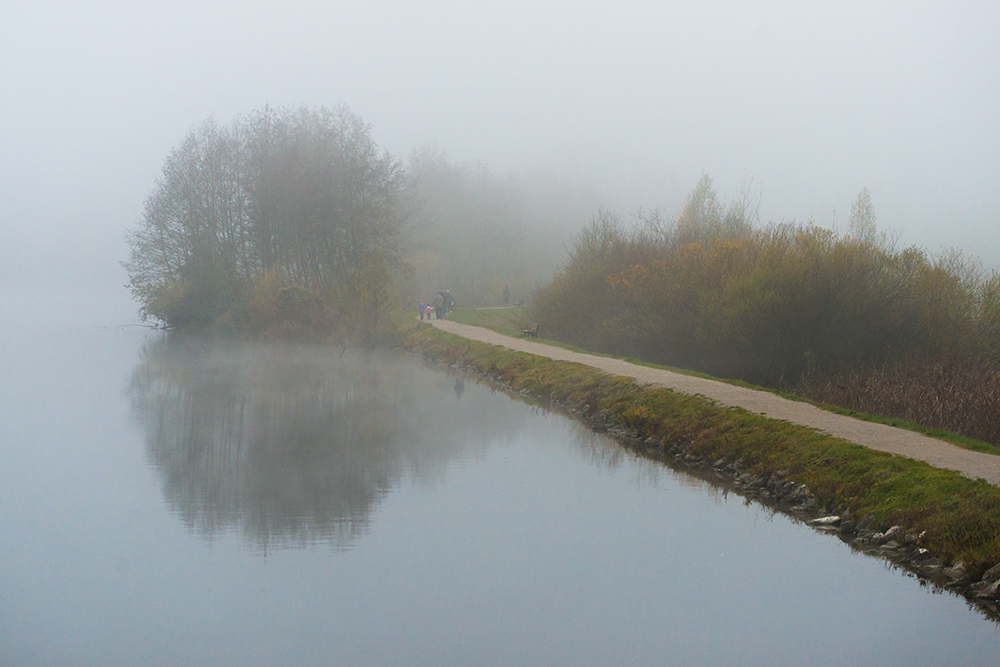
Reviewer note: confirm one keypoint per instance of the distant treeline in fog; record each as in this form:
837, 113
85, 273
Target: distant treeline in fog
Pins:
475, 233
789, 305
292, 222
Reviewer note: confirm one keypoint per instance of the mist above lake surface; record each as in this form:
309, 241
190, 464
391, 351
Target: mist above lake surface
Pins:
168, 500
282, 503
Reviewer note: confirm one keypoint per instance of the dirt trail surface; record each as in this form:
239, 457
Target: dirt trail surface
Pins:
875, 436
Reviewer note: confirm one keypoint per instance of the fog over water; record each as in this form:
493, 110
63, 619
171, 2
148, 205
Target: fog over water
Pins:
156, 487
628, 103
172, 500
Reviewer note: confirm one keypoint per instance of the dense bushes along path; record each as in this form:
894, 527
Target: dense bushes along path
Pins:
875, 436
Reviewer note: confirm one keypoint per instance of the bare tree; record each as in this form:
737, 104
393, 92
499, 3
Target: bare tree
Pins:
863, 225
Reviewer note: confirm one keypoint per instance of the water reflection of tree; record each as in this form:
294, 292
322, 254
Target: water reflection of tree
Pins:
294, 444
608, 455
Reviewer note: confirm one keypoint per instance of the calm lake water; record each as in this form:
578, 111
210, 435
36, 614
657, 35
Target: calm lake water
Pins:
178, 501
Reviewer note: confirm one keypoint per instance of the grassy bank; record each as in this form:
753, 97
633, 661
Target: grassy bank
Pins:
956, 518
511, 321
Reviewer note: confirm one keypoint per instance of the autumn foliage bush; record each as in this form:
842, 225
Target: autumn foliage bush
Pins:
778, 303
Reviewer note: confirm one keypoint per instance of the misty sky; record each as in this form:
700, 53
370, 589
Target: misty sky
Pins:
634, 100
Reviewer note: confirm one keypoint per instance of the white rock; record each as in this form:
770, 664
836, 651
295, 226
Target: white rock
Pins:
825, 521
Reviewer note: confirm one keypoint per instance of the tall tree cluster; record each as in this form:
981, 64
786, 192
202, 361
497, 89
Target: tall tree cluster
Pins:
288, 198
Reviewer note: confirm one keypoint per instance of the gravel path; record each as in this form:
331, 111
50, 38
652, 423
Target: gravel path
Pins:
876, 436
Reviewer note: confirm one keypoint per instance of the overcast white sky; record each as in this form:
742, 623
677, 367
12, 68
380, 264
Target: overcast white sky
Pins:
635, 99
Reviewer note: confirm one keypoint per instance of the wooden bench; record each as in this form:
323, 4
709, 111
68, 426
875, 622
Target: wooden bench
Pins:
532, 332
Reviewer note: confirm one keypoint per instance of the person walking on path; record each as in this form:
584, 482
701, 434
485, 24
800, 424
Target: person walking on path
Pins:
438, 302
423, 309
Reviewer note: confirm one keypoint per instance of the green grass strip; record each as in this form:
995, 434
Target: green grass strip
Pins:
511, 322
961, 517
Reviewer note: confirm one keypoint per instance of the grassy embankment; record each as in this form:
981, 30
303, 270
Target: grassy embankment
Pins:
960, 518
511, 322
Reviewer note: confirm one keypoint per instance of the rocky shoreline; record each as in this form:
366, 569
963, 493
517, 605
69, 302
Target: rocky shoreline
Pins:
979, 586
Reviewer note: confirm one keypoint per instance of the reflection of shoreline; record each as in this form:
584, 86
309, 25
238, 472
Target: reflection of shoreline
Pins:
294, 445
719, 486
